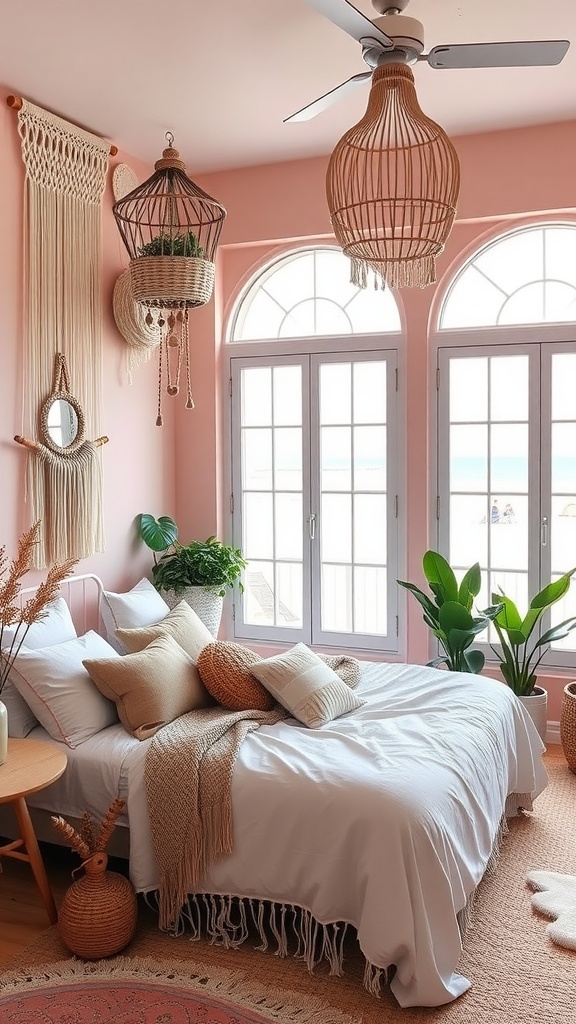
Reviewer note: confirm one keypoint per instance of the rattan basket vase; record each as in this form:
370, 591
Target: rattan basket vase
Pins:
568, 725
172, 281
97, 917
205, 601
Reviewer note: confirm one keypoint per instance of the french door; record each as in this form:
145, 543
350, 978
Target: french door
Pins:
507, 470
315, 498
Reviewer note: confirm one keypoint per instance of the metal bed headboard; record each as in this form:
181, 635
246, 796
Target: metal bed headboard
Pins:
82, 594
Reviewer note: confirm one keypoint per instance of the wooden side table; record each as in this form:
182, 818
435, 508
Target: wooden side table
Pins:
31, 765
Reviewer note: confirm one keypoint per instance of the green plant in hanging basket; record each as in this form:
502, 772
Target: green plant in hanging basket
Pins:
165, 244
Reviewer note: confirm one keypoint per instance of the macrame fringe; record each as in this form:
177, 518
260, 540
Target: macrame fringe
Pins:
66, 171
282, 928
416, 273
273, 1003
75, 512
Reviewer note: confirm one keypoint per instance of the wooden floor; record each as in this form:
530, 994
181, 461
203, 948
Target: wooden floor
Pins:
22, 914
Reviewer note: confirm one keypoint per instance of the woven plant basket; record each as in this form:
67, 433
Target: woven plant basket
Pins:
97, 917
205, 601
172, 282
568, 725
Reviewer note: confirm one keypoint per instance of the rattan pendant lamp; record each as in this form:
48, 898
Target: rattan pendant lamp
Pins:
171, 229
392, 186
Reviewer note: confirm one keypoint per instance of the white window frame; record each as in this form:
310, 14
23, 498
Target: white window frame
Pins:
312, 351
536, 339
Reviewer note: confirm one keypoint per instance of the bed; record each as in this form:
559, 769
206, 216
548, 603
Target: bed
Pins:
384, 820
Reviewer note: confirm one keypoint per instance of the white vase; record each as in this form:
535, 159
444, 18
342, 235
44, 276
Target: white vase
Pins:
205, 601
3, 733
536, 704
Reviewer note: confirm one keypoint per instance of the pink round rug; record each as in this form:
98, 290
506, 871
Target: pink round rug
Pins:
145, 991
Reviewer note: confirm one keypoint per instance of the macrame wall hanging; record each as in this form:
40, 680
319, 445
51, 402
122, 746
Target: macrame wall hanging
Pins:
65, 179
67, 475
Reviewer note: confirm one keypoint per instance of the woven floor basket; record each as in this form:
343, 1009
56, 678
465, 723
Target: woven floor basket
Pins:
568, 725
97, 916
172, 282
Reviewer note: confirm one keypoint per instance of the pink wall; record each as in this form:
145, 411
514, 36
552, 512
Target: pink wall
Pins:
177, 469
138, 463
507, 177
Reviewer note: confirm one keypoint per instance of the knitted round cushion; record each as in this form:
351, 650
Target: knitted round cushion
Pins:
224, 669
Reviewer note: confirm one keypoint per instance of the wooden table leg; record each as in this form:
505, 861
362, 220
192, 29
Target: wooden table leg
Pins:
35, 857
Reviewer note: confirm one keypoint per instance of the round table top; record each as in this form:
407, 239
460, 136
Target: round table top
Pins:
31, 765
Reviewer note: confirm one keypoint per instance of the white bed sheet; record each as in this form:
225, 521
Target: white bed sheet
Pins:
385, 818
95, 775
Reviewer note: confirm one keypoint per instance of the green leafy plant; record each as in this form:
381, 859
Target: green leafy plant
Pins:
208, 563
521, 655
448, 612
164, 244
158, 534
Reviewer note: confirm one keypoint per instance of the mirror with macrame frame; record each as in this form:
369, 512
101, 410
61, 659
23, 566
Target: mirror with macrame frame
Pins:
66, 472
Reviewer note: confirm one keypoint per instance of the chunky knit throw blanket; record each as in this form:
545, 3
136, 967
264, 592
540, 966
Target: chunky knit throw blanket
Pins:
188, 775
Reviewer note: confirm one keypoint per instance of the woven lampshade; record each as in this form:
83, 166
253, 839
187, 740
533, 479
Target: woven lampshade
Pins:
392, 186
170, 228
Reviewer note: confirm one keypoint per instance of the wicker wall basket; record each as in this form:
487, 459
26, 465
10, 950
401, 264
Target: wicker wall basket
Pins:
568, 725
97, 917
172, 282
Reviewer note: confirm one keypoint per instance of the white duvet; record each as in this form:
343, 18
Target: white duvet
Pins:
384, 818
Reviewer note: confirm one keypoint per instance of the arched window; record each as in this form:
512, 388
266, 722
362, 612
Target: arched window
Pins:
506, 452
527, 276
314, 454
308, 293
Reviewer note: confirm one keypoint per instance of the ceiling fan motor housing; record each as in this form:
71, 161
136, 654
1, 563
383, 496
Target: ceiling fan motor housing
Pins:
407, 33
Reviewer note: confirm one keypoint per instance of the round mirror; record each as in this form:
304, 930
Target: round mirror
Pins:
62, 423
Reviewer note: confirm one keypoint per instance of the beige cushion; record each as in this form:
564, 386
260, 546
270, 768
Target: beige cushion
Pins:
150, 688
306, 686
224, 668
182, 624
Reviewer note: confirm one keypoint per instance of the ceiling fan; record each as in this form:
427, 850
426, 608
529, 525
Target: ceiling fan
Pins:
395, 38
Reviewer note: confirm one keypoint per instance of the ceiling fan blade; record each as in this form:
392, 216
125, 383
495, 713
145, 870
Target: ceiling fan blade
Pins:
532, 53
351, 20
325, 101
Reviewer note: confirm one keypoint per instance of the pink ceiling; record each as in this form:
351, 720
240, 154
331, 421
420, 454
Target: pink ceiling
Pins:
222, 74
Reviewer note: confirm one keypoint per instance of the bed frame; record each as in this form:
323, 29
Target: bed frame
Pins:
82, 594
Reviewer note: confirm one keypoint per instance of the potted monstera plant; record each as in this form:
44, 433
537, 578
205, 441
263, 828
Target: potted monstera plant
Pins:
200, 572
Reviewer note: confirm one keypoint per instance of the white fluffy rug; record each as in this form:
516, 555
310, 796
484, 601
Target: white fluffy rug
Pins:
556, 898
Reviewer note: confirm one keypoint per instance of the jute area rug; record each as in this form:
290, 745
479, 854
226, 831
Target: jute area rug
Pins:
519, 976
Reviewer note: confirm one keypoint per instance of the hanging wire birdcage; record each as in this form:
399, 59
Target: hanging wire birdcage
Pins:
170, 228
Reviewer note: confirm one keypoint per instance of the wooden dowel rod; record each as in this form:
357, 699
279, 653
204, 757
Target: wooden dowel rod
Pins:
16, 103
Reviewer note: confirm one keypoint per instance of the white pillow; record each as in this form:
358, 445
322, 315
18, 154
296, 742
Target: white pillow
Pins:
55, 628
306, 686
59, 690
140, 606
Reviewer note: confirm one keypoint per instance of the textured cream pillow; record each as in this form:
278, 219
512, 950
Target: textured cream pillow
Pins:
150, 688
306, 686
182, 624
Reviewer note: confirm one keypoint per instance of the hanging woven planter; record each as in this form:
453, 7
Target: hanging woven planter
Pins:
174, 282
